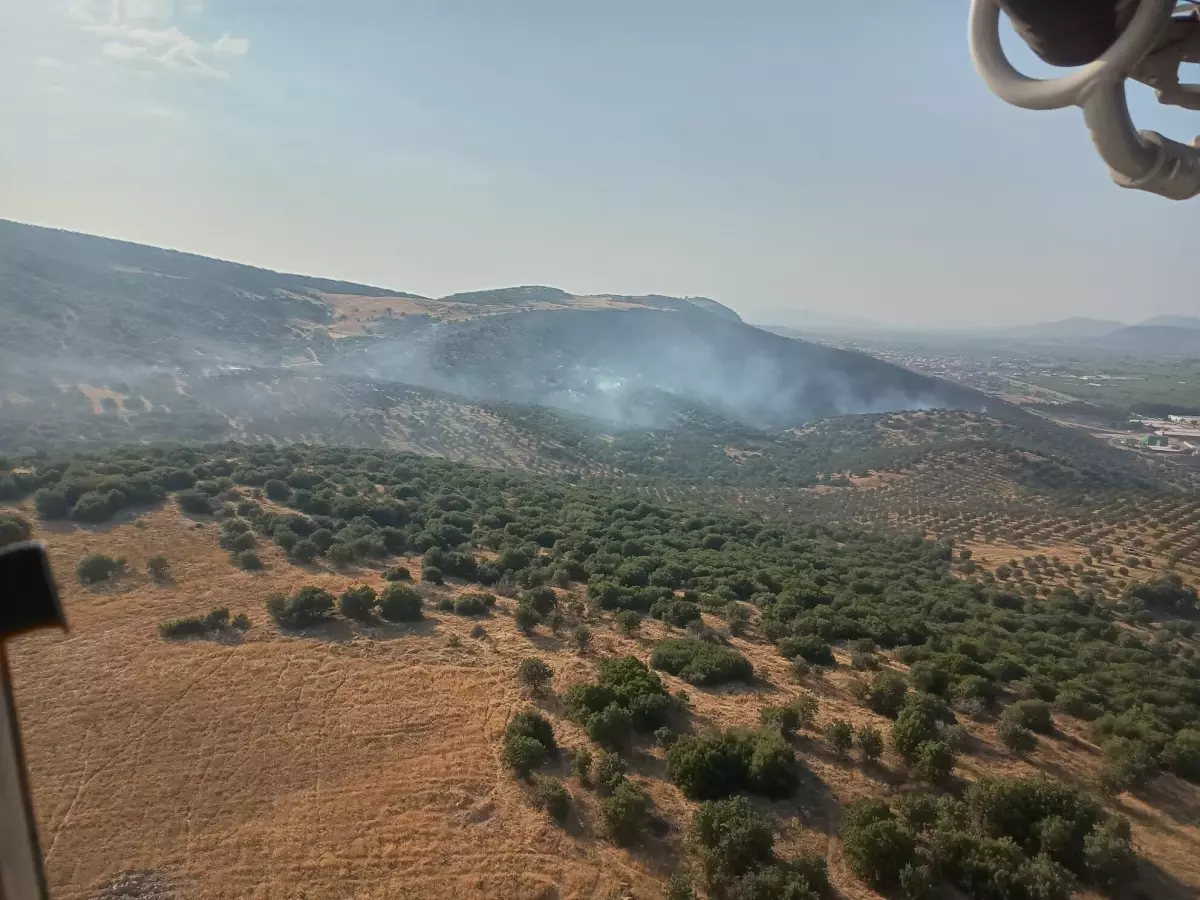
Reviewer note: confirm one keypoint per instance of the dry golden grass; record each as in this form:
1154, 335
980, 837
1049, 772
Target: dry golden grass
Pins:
354, 314
362, 762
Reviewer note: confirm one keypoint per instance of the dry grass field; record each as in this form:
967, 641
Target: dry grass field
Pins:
354, 314
363, 762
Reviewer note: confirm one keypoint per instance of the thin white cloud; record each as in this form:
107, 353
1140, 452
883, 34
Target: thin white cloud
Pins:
136, 31
168, 47
160, 10
112, 12
231, 46
160, 112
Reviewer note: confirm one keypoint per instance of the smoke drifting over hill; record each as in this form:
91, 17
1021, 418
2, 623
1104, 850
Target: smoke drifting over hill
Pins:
144, 331
597, 361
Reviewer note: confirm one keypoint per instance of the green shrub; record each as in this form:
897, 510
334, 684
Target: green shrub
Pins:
249, 561
526, 618
623, 681
197, 626
534, 674
398, 573
719, 763
785, 718
678, 613
609, 771
550, 795
194, 502
275, 489
432, 574
1038, 814
309, 605
803, 879
51, 504
14, 528
886, 694
611, 727
839, 735
935, 762
523, 754
193, 626
877, 847
358, 603
1128, 764
304, 551
918, 723
628, 622
338, 554
581, 637
679, 887
737, 617
532, 723
1108, 855
98, 567
625, 812
158, 568
709, 766
996, 869
473, 603
1182, 754
541, 599
810, 648
773, 769
581, 765
700, 662
1032, 714
730, 838
528, 740
870, 743
400, 603
1017, 739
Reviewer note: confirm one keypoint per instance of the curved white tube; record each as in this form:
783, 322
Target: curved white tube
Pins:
1055, 93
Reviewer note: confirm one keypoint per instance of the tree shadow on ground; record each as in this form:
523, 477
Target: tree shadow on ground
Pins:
342, 631
1156, 883
1170, 795
231, 637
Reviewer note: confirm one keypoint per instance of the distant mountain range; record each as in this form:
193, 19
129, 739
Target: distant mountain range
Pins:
1160, 334
1074, 328
1171, 334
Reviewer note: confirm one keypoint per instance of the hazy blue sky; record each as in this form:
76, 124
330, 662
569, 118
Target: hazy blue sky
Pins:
829, 156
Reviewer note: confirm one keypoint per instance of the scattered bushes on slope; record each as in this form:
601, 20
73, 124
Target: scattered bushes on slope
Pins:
215, 622
358, 603
309, 605
528, 742
400, 603
719, 763
736, 848
98, 567
700, 662
534, 674
1022, 838
14, 528
626, 696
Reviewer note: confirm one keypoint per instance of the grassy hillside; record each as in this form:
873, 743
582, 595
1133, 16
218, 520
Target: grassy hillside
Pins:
73, 298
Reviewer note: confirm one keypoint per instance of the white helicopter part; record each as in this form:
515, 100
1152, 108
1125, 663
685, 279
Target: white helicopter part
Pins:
1150, 50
